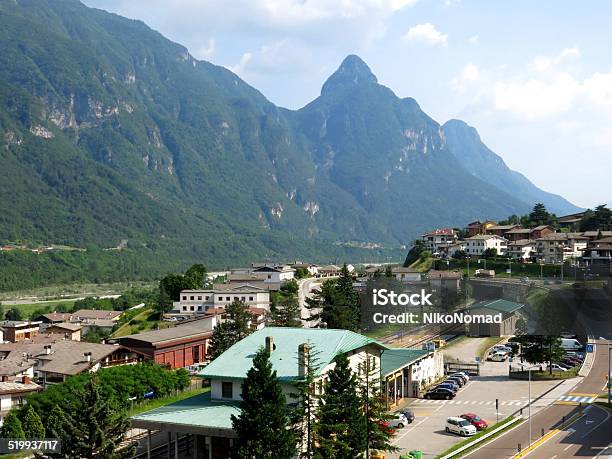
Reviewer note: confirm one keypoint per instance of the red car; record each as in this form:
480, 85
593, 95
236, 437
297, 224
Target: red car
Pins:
475, 420
385, 427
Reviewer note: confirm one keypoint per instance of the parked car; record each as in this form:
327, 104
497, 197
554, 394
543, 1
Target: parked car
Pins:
440, 393
408, 414
458, 380
498, 356
449, 385
571, 344
385, 427
502, 348
556, 367
475, 420
460, 426
398, 421
464, 377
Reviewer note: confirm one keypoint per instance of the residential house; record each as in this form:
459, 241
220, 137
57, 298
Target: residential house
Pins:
459, 246
540, 231
70, 330
406, 274
598, 252
477, 227
571, 221
276, 274
207, 417
559, 247
477, 245
57, 358
201, 301
593, 235
14, 394
444, 280
96, 314
522, 249
518, 234
509, 315
309, 267
15, 365
18, 330
328, 271
438, 241
500, 230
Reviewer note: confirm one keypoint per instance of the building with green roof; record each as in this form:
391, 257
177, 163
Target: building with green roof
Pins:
504, 312
206, 419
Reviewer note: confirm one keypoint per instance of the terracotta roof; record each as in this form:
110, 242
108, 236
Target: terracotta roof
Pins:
441, 232
520, 231
15, 388
170, 334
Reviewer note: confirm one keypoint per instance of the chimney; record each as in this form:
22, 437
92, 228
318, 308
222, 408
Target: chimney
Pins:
5, 378
87, 356
303, 359
25, 379
270, 344
47, 349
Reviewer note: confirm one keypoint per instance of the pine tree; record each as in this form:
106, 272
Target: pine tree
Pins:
231, 330
263, 424
55, 422
341, 430
286, 313
96, 427
31, 423
11, 428
375, 407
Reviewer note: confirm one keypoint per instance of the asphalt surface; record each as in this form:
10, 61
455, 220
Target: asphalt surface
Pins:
586, 437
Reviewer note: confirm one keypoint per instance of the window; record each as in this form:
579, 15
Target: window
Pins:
235, 298
184, 297
191, 298
250, 298
243, 298
192, 308
227, 389
206, 298
227, 298
199, 298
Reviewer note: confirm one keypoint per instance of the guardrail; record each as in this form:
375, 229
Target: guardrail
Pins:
481, 439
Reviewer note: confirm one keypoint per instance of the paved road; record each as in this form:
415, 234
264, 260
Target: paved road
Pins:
587, 438
465, 350
478, 396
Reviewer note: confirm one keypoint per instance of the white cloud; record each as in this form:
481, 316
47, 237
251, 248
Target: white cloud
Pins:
206, 51
426, 33
469, 74
240, 67
545, 63
473, 40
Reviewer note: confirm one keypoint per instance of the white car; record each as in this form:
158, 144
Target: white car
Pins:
501, 347
556, 367
498, 356
398, 421
460, 426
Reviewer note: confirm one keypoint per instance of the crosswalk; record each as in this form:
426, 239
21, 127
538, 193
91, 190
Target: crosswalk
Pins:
423, 401
575, 399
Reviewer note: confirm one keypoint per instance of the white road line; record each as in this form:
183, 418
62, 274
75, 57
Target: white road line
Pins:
605, 420
410, 430
568, 447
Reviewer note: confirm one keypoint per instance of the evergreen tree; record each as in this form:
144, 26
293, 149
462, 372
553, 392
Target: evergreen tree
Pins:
342, 309
388, 271
14, 314
55, 422
540, 216
231, 330
375, 407
320, 301
96, 427
263, 424
196, 276
11, 428
286, 313
341, 431
31, 423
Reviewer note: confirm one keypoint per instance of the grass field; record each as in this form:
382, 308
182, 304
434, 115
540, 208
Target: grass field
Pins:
58, 292
143, 321
28, 309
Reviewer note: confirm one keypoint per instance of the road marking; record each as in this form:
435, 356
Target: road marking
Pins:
602, 422
548, 436
409, 430
586, 398
568, 447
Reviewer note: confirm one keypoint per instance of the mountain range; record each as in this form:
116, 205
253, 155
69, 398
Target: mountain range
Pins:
113, 136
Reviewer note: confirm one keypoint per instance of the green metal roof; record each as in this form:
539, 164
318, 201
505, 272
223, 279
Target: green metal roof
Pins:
199, 411
325, 344
394, 359
499, 305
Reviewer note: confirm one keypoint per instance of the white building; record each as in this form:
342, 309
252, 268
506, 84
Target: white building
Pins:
13, 394
200, 301
406, 274
459, 246
439, 240
523, 249
477, 245
560, 247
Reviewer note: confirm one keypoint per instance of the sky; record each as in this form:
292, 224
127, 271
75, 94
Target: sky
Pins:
535, 78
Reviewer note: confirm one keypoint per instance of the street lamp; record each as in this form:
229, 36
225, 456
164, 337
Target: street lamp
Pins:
529, 406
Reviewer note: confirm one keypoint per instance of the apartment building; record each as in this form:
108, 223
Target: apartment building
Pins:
200, 301
438, 241
522, 249
477, 245
559, 247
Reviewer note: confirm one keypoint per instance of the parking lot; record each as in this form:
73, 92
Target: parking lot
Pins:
477, 396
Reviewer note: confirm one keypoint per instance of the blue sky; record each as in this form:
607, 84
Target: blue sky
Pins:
535, 78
